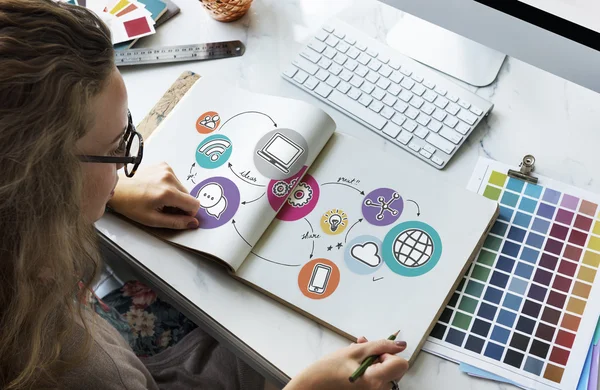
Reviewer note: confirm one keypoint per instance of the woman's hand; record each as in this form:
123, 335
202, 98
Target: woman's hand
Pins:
156, 198
333, 371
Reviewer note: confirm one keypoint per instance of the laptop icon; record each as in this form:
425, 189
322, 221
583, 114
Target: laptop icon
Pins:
281, 152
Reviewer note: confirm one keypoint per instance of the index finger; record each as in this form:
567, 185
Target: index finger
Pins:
391, 368
181, 200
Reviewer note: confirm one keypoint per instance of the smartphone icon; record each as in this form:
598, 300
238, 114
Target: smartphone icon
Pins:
319, 278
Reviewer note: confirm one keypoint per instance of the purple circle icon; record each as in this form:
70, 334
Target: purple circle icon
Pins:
219, 201
382, 206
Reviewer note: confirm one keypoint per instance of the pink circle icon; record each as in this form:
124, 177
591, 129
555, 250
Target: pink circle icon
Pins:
279, 190
301, 201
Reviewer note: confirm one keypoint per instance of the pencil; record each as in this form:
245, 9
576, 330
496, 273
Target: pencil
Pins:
367, 362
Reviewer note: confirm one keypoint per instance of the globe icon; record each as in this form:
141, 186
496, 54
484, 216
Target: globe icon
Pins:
413, 248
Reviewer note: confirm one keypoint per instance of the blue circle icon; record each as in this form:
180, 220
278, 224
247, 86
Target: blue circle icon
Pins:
363, 255
412, 248
213, 151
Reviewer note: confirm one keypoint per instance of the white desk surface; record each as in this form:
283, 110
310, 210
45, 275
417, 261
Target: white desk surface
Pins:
535, 113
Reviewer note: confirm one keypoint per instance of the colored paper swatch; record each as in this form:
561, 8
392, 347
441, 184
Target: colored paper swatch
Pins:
521, 306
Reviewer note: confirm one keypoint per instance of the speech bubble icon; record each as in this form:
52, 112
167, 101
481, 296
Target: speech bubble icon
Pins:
366, 253
217, 209
210, 195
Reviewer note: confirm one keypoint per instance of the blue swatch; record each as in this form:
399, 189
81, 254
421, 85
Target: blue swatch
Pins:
551, 196
530, 255
474, 344
493, 295
521, 219
518, 286
524, 270
494, 351
525, 325
533, 365
505, 213
499, 228
516, 234
512, 302
487, 311
535, 240
505, 264
511, 249
533, 190
499, 279
480, 327
540, 225
500, 334
455, 337
527, 204
546, 211
509, 199
506, 318
515, 185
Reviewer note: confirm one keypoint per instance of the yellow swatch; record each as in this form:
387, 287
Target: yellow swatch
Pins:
594, 243
591, 258
119, 6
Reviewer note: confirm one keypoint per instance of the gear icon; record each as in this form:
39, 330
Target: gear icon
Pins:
301, 196
280, 189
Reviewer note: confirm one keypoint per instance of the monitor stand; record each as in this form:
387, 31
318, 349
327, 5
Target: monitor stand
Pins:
445, 51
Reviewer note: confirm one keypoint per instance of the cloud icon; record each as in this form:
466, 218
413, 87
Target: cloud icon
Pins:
366, 253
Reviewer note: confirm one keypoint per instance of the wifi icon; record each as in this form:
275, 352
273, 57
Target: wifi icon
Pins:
214, 151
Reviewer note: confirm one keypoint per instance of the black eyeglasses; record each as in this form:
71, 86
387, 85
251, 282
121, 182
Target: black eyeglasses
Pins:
134, 150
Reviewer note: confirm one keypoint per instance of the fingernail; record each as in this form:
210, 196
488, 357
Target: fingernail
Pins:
193, 224
401, 343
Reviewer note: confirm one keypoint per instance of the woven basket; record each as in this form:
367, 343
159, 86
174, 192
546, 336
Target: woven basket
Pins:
226, 10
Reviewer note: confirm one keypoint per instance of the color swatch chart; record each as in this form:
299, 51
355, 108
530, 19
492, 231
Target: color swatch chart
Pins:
526, 309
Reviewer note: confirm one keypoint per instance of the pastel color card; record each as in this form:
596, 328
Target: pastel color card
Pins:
119, 6
528, 297
137, 27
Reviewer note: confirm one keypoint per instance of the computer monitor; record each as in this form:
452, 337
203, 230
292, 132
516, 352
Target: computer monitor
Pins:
559, 36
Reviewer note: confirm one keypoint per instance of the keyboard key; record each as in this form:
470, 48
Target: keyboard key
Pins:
453, 109
396, 77
333, 81
407, 83
317, 46
425, 153
329, 53
409, 125
356, 81
342, 87
357, 110
399, 119
361, 71
450, 121
350, 39
404, 137
434, 126
392, 130
411, 113
328, 28
346, 75
467, 117
414, 146
323, 90
340, 34
383, 58
372, 76
390, 100
374, 65
342, 47
400, 106
340, 58
290, 71
429, 84
428, 108
360, 46
405, 71
405, 95
376, 105
464, 104
437, 160
439, 114
350, 65
394, 64
421, 132
383, 83
385, 71
387, 112
440, 143
440, 90
322, 75
335, 69
394, 89
378, 93
475, 110
311, 83
367, 87
354, 93
373, 53
363, 59
418, 89
429, 148
332, 41
324, 63
451, 135
423, 119
365, 99
300, 77
452, 98
462, 128
430, 96
417, 78
305, 65
416, 102
353, 53
322, 35
441, 102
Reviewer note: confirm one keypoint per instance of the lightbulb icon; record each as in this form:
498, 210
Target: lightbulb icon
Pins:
334, 221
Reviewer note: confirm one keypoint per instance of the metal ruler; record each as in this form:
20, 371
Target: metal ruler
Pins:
163, 55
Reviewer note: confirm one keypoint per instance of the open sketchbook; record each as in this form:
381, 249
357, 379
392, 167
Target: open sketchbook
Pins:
333, 228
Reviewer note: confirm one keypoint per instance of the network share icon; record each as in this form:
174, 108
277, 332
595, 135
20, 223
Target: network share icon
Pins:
213, 151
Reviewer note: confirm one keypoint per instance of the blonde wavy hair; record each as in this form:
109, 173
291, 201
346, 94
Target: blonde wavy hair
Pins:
54, 58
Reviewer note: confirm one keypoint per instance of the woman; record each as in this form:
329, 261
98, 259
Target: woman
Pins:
63, 111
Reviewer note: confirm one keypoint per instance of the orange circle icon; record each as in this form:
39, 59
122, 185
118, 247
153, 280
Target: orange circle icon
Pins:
318, 278
208, 122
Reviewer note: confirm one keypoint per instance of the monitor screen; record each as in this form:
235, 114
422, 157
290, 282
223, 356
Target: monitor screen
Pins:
282, 149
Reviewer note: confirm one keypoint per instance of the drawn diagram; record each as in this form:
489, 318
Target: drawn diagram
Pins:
382, 206
219, 201
318, 278
412, 248
278, 190
334, 221
363, 255
213, 151
208, 122
301, 201
280, 153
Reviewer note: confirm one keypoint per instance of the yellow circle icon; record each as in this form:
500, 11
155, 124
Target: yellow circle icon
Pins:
334, 221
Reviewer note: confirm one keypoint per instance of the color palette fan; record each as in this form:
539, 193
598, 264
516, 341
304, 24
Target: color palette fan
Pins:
527, 308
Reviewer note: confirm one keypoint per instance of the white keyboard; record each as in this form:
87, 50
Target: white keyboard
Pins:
398, 98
